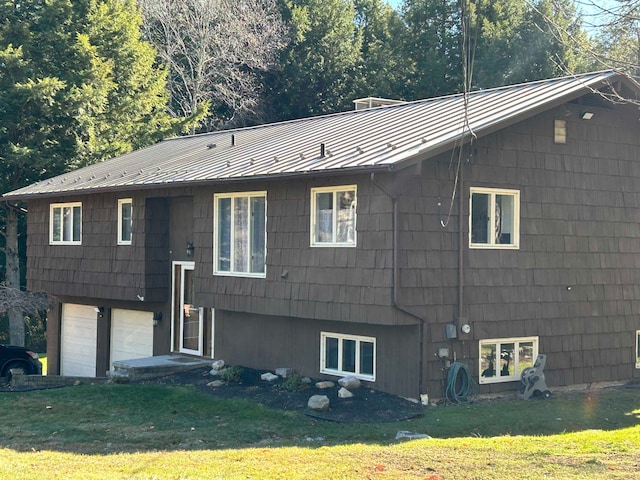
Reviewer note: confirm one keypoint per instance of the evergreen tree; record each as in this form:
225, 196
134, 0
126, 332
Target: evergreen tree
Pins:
77, 85
319, 68
382, 59
432, 48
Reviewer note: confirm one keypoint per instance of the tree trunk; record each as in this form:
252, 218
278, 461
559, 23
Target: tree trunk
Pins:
12, 280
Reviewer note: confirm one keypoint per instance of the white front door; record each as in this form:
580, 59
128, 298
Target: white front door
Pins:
187, 317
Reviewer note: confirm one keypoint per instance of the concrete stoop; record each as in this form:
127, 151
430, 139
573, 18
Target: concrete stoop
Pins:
152, 367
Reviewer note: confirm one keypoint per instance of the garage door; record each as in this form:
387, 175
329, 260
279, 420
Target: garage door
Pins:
79, 339
131, 334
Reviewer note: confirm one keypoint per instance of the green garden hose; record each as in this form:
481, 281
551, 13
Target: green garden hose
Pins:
460, 385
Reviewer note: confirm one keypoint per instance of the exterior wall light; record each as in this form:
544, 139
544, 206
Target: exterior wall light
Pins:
190, 249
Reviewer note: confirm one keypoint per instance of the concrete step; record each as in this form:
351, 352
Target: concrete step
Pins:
159, 366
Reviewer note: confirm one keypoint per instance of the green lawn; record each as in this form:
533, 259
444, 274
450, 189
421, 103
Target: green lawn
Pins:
176, 432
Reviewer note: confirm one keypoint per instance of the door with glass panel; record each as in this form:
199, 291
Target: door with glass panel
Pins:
188, 317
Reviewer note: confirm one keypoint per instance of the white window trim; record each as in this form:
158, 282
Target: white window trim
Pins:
333, 190
516, 218
122, 201
223, 273
637, 352
516, 341
341, 373
71, 205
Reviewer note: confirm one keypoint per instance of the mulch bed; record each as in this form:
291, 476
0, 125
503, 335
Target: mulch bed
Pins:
366, 406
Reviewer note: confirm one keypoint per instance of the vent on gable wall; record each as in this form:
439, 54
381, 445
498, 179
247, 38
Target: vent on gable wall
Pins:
373, 102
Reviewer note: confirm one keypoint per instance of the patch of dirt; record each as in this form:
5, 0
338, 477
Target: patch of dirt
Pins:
366, 405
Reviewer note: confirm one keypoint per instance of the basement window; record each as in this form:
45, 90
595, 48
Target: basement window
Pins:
495, 218
65, 223
504, 359
125, 221
333, 216
345, 355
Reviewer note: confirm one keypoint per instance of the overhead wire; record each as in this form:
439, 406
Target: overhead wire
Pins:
468, 45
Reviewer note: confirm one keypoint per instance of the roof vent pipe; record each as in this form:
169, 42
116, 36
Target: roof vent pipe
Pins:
233, 140
322, 150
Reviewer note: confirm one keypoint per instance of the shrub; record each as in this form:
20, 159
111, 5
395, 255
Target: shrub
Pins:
231, 374
293, 383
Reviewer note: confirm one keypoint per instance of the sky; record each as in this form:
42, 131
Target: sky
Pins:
585, 6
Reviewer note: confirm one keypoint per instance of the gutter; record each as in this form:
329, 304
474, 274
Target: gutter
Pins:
396, 280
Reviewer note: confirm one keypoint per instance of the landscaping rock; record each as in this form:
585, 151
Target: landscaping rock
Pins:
325, 384
284, 372
306, 380
215, 383
215, 373
349, 382
319, 403
269, 377
344, 393
410, 435
217, 365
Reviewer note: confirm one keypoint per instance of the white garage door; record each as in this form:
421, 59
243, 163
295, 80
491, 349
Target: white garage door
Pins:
131, 334
79, 340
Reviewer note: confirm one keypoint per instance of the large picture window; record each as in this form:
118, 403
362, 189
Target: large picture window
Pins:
240, 233
125, 221
494, 221
333, 216
503, 359
65, 226
348, 355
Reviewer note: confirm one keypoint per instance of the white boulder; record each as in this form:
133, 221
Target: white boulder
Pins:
284, 372
344, 393
325, 384
349, 382
269, 377
217, 365
319, 403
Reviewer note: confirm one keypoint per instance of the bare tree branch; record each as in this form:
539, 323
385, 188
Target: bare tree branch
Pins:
214, 49
29, 303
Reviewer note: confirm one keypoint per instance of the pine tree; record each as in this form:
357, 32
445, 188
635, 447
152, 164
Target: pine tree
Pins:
77, 84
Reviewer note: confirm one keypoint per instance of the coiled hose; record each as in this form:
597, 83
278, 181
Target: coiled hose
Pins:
460, 384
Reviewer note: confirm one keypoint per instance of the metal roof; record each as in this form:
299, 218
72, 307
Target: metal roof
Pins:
378, 138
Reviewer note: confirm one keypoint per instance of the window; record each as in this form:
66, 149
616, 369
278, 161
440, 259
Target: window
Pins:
240, 233
502, 360
348, 355
638, 349
560, 131
125, 220
495, 218
333, 216
65, 226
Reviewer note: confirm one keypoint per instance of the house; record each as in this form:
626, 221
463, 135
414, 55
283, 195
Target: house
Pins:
385, 242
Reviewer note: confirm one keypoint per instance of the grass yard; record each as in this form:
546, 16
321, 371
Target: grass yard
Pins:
177, 432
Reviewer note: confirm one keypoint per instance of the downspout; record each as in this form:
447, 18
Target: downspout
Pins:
460, 249
396, 280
